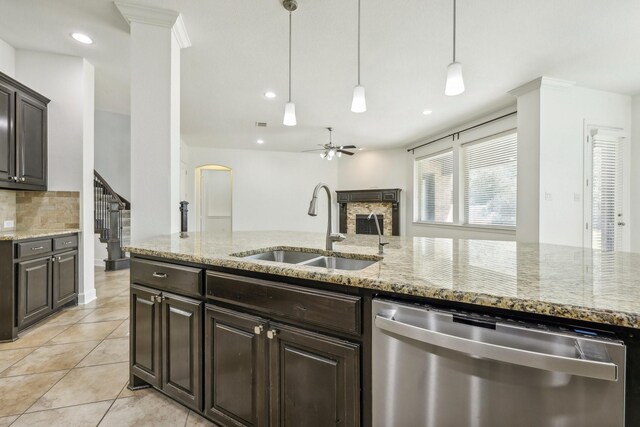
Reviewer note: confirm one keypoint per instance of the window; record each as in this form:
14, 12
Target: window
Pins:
490, 180
434, 179
470, 183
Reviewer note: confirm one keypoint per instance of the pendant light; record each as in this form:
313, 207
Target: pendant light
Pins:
290, 107
455, 83
359, 103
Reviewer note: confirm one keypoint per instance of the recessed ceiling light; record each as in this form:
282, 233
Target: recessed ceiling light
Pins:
426, 112
260, 141
270, 95
82, 38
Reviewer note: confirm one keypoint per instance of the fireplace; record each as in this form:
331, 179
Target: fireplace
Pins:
356, 204
364, 225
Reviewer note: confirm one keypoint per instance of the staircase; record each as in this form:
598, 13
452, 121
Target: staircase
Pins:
112, 222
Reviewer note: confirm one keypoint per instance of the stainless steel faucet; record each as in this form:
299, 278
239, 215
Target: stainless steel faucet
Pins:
381, 244
313, 211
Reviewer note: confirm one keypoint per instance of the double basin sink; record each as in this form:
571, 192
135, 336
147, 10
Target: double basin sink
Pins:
312, 259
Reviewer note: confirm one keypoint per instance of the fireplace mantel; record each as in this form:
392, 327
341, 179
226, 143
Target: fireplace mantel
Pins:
391, 195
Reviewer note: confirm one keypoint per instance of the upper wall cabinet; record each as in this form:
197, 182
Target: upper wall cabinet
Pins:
23, 137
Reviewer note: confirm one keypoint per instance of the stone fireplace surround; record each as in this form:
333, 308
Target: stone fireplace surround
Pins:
363, 202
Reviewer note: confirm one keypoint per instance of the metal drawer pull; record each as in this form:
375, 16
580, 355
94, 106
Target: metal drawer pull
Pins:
67, 243
517, 356
22, 179
37, 248
160, 275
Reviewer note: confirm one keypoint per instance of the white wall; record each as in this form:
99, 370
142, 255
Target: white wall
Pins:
376, 169
68, 82
113, 150
552, 115
634, 222
7, 59
271, 189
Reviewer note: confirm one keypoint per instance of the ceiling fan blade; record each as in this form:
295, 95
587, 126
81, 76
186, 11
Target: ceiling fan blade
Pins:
347, 146
348, 153
308, 151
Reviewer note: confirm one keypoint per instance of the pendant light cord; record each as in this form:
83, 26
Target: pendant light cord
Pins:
358, 42
289, 56
454, 30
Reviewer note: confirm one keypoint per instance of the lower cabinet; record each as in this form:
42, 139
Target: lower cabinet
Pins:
314, 379
303, 378
34, 290
235, 368
65, 278
166, 343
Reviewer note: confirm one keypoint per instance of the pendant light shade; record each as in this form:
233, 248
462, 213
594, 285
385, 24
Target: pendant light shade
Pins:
359, 102
455, 82
289, 114
290, 107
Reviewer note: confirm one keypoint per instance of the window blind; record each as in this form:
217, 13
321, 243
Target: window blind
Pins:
434, 179
490, 181
606, 193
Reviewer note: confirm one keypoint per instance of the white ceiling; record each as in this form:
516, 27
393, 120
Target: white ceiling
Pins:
240, 50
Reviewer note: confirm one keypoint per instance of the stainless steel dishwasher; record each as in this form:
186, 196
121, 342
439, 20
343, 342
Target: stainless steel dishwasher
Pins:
447, 368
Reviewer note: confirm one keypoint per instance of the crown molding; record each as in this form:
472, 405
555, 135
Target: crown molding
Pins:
156, 16
538, 83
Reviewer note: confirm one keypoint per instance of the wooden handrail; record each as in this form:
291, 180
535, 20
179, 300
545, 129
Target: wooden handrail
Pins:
122, 202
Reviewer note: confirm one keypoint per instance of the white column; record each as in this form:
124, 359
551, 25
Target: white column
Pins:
157, 35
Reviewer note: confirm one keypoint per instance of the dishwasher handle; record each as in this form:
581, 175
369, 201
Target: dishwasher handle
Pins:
550, 362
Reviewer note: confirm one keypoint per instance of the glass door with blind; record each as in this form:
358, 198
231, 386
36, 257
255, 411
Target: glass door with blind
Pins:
606, 223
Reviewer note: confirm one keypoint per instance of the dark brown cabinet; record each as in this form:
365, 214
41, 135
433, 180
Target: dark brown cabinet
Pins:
23, 137
181, 349
145, 351
31, 141
34, 290
235, 368
7, 138
314, 379
166, 343
65, 278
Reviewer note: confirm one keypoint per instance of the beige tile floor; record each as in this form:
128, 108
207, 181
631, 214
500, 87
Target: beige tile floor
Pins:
72, 369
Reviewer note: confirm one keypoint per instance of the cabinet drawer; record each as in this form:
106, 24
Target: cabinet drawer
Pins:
66, 242
37, 247
330, 310
165, 276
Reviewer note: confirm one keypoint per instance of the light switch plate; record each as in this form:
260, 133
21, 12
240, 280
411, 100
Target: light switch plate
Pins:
8, 223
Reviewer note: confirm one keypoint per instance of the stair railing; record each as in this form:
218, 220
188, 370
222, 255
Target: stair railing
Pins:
108, 207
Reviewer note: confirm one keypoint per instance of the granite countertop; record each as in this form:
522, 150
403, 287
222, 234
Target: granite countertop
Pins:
33, 234
560, 281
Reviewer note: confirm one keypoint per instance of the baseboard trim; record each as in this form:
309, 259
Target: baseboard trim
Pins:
87, 297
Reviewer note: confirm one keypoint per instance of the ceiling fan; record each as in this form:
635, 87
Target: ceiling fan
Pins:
330, 150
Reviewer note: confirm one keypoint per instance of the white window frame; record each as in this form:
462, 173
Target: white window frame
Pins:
456, 145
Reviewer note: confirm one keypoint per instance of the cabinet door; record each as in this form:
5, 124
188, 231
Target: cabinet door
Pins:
145, 345
235, 368
7, 136
34, 290
181, 349
314, 379
31, 138
65, 278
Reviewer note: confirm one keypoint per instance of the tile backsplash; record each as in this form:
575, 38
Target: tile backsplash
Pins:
7, 208
40, 210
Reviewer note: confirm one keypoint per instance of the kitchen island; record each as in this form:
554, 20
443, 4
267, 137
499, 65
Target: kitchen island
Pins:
178, 282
